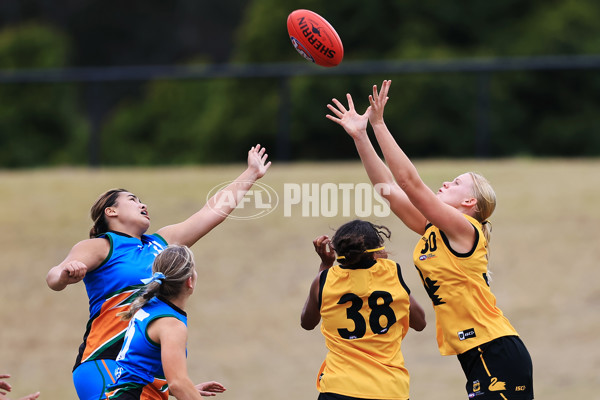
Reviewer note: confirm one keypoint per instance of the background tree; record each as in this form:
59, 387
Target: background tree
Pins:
40, 124
532, 113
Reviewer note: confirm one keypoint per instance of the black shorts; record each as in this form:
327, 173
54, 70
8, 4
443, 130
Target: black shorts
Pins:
498, 370
335, 396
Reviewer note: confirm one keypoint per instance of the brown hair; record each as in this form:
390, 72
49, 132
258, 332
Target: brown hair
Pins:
106, 199
176, 264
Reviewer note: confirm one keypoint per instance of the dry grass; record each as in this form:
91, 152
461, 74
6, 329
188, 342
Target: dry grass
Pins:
244, 319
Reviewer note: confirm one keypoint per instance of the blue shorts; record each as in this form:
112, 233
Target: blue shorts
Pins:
92, 377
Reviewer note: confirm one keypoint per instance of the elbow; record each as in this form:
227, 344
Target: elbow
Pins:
53, 283
177, 387
418, 323
419, 326
308, 325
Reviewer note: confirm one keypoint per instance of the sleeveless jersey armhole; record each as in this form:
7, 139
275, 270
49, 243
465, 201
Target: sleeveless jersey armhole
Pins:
457, 254
161, 238
322, 279
399, 270
154, 318
110, 250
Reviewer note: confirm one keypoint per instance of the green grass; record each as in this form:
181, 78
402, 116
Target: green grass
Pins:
254, 276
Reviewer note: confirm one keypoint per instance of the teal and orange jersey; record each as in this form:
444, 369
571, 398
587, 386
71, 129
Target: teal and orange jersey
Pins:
158, 390
111, 288
140, 361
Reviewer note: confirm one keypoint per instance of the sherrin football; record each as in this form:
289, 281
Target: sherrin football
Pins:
314, 38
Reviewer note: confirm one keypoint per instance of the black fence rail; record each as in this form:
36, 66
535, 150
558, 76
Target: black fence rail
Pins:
483, 67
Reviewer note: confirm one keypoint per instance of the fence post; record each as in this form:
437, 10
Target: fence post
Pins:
482, 140
283, 145
95, 109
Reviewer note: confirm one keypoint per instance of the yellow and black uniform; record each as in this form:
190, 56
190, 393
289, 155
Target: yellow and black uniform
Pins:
467, 318
365, 315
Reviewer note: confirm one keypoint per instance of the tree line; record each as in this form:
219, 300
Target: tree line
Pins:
161, 122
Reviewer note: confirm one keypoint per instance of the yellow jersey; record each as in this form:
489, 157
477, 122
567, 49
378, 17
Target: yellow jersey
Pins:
365, 316
457, 284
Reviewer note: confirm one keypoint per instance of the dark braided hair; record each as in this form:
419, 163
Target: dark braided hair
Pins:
352, 239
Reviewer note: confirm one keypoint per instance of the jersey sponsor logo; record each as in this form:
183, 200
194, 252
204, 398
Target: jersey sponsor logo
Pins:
476, 390
496, 385
466, 334
520, 388
473, 395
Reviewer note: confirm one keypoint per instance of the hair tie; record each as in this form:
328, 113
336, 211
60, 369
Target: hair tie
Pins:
374, 250
366, 251
157, 277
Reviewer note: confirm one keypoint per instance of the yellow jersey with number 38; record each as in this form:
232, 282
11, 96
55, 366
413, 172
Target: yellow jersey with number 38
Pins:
364, 311
457, 284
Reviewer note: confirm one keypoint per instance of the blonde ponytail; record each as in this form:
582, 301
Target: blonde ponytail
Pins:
486, 203
171, 268
150, 290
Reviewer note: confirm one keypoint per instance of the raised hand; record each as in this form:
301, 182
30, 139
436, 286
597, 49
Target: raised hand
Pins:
353, 123
378, 101
325, 251
257, 160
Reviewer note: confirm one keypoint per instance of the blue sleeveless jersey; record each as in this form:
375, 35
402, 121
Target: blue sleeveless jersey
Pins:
128, 262
139, 362
111, 288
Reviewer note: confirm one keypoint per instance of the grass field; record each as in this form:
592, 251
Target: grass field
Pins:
255, 273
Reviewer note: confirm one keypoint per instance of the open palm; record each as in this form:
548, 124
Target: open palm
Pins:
353, 123
257, 159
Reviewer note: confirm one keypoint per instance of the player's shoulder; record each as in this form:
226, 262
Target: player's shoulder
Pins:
94, 246
387, 263
92, 243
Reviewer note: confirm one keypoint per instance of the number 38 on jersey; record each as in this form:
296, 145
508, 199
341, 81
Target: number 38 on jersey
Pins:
380, 314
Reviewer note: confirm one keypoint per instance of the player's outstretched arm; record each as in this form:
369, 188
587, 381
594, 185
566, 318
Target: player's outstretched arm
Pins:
378, 172
440, 214
219, 206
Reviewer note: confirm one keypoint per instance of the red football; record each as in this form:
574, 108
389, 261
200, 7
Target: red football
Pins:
314, 38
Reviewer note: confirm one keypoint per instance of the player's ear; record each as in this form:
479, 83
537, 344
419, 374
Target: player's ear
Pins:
470, 202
